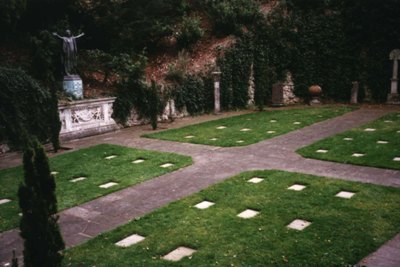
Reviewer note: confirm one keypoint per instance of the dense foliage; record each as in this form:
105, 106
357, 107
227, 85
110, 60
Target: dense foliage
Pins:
26, 110
43, 243
330, 43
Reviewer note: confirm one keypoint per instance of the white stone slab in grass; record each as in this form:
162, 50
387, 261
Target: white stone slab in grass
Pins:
345, 194
189, 136
396, 159
382, 142
245, 130
255, 180
273, 121
398, 131
388, 121
358, 155
221, 127
299, 224
107, 185
296, 122
348, 139
271, 132
111, 157
166, 165
297, 187
322, 151
78, 179
240, 141
179, 253
204, 205
138, 161
369, 130
214, 139
53, 173
130, 240
4, 201
247, 214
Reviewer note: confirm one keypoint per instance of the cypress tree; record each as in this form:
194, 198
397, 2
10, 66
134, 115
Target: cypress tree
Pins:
43, 243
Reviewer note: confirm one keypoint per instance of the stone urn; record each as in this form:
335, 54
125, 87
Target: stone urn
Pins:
315, 92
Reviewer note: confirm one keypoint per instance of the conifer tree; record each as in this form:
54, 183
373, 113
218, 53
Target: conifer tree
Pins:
43, 243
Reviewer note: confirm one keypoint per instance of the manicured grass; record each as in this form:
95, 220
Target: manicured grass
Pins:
250, 128
342, 232
372, 144
89, 163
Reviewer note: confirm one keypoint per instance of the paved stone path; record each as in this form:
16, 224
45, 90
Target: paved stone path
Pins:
211, 165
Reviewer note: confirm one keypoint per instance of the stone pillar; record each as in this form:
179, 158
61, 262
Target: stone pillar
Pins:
277, 94
354, 93
217, 93
393, 96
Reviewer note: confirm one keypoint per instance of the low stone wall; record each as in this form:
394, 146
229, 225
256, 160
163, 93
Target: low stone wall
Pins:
86, 117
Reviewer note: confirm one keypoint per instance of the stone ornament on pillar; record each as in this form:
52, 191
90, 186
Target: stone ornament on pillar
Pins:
72, 83
393, 96
217, 94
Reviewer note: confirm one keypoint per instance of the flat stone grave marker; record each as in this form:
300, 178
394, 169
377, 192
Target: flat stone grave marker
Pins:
53, 173
297, 187
204, 205
240, 141
396, 159
358, 155
108, 185
138, 161
189, 136
111, 157
322, 151
388, 121
255, 180
299, 224
166, 165
369, 130
272, 121
78, 179
214, 139
130, 240
179, 253
398, 131
382, 142
348, 139
247, 214
296, 122
345, 194
4, 201
271, 132
245, 130
221, 127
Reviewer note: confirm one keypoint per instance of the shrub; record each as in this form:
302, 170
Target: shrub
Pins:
43, 243
26, 110
229, 16
190, 32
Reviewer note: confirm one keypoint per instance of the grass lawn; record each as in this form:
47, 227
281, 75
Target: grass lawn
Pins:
249, 128
91, 164
374, 144
342, 231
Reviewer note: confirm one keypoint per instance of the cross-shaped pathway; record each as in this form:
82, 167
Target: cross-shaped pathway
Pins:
212, 165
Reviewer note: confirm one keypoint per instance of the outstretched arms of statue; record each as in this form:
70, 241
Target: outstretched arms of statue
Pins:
55, 34
80, 35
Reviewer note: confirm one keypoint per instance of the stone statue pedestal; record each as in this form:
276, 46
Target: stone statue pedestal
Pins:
73, 86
